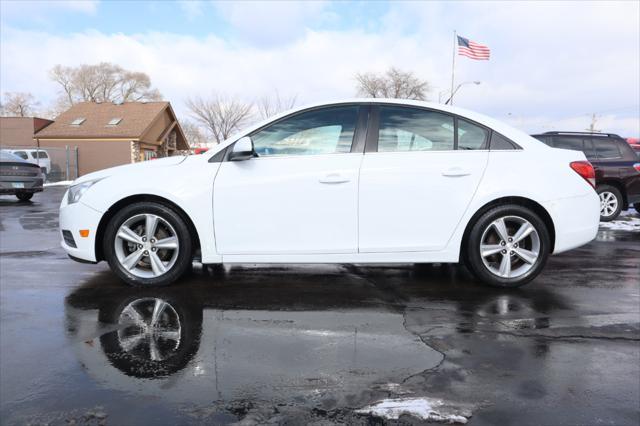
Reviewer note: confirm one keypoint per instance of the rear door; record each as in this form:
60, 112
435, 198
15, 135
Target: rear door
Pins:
417, 178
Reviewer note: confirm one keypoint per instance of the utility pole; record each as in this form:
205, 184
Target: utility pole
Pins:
592, 126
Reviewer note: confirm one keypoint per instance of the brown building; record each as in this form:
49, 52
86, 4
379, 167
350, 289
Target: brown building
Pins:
108, 134
19, 131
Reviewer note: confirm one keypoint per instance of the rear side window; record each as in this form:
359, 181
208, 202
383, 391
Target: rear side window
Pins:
606, 148
471, 136
414, 129
568, 142
500, 143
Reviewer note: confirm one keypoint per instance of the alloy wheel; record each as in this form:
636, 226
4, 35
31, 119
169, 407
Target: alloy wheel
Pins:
510, 246
608, 203
147, 245
150, 330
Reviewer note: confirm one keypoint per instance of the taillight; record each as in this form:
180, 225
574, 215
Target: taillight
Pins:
637, 167
585, 169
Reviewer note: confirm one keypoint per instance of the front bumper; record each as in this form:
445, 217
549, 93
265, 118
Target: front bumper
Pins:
575, 220
73, 218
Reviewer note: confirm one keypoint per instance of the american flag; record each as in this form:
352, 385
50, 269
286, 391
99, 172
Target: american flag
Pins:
472, 50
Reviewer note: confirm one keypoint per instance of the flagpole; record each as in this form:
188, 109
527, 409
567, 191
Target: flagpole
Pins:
453, 65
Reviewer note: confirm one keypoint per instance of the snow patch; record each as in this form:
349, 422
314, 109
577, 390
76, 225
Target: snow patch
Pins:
625, 222
61, 183
422, 408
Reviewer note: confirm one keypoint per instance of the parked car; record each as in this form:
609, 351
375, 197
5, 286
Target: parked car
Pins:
19, 177
39, 157
384, 181
616, 165
635, 144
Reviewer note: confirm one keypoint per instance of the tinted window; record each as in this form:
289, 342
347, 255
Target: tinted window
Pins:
588, 148
568, 142
499, 142
39, 154
325, 131
471, 136
21, 154
414, 129
606, 148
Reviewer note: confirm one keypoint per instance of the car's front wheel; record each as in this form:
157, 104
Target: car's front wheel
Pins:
610, 202
507, 246
148, 244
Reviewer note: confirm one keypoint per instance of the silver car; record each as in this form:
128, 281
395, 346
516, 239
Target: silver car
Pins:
19, 177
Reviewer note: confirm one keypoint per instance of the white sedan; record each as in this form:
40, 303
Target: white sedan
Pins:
358, 181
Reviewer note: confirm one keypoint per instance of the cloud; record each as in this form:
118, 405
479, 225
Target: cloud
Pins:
191, 8
265, 23
546, 72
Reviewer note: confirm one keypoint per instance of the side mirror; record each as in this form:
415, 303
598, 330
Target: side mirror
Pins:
242, 150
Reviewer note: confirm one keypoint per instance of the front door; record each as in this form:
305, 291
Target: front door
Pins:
299, 195
417, 184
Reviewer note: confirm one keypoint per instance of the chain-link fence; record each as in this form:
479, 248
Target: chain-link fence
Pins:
58, 164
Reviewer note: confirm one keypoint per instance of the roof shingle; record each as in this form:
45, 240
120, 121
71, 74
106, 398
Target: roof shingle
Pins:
136, 118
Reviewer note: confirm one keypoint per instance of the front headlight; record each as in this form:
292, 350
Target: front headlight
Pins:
76, 191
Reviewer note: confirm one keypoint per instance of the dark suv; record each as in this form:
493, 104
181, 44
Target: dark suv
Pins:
617, 167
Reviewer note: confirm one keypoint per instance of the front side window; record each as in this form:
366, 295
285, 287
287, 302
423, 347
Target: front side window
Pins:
471, 136
606, 148
325, 131
414, 129
39, 154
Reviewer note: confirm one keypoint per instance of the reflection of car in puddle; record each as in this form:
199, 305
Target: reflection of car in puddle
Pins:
196, 352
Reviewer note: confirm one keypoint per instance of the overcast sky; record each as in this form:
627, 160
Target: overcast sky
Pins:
552, 64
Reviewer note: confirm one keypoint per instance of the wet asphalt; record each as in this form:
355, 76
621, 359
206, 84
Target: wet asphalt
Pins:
311, 344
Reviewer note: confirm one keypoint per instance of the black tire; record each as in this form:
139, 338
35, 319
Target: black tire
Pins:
637, 207
185, 253
24, 196
473, 258
616, 193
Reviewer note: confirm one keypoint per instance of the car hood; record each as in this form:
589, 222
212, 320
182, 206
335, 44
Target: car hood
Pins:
127, 168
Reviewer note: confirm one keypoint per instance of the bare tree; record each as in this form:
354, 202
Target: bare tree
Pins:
269, 106
103, 82
19, 104
221, 116
192, 132
392, 84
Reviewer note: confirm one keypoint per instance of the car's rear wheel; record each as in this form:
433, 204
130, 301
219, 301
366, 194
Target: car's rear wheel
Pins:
610, 202
24, 196
637, 207
148, 244
508, 246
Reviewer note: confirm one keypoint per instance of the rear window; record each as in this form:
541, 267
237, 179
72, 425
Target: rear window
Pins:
21, 154
606, 148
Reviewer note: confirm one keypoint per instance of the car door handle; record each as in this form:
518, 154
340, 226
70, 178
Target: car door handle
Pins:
455, 172
333, 178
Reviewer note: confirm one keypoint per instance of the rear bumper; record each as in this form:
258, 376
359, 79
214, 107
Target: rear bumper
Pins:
73, 218
26, 185
575, 219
